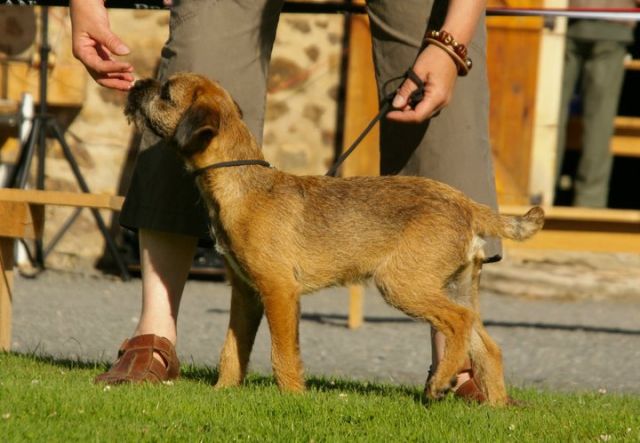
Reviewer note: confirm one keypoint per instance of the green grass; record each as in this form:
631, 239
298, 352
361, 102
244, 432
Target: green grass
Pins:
42, 399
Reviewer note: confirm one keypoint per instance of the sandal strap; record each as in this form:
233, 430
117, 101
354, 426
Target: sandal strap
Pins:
136, 362
470, 391
158, 344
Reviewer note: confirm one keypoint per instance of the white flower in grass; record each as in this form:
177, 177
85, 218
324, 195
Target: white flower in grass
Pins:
512, 427
602, 391
6, 415
168, 382
35, 381
605, 437
342, 395
106, 388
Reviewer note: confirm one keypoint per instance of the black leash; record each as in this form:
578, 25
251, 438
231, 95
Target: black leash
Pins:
415, 98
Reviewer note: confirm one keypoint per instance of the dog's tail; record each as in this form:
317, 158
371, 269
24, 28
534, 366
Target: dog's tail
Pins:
487, 222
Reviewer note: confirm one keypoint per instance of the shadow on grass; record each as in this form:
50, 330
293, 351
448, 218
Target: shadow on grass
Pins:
322, 384
209, 375
67, 363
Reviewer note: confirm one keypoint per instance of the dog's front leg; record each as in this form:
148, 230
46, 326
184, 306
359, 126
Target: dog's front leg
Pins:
282, 308
244, 320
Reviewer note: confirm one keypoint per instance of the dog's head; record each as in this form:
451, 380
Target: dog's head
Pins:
188, 109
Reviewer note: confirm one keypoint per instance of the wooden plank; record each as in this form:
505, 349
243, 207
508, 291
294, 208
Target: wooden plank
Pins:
632, 65
361, 102
627, 123
21, 220
356, 302
589, 215
578, 240
59, 198
625, 145
360, 107
512, 65
582, 229
626, 139
6, 294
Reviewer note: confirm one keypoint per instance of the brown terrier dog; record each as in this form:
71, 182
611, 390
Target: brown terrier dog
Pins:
285, 235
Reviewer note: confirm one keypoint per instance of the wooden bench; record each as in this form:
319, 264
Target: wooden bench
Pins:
22, 216
583, 229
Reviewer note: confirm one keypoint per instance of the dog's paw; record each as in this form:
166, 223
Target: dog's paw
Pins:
219, 386
224, 383
432, 392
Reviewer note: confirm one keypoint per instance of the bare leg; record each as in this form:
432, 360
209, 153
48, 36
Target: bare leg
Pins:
166, 259
438, 346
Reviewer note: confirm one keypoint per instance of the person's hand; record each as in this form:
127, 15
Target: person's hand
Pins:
439, 72
95, 45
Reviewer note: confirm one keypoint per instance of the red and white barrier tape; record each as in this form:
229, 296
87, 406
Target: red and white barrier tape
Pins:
584, 13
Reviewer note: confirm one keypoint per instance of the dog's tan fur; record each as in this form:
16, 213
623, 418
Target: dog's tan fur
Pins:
419, 240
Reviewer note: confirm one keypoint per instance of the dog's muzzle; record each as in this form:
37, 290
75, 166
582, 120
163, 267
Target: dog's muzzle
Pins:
140, 92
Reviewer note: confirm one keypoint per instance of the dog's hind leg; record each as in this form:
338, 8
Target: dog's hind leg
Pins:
427, 300
484, 353
487, 365
455, 323
244, 320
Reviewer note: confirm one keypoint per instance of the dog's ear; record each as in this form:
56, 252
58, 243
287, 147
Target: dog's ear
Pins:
199, 124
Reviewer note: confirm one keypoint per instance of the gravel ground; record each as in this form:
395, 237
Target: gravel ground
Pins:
566, 345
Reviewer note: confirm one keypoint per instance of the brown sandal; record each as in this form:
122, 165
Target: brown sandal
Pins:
469, 390
136, 363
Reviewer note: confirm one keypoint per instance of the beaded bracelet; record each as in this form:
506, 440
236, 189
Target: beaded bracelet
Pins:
457, 51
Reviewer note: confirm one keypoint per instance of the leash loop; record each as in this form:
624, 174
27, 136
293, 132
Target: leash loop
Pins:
415, 98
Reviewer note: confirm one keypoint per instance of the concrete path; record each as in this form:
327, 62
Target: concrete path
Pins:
566, 345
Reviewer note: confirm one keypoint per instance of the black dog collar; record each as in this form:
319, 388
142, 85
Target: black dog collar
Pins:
231, 163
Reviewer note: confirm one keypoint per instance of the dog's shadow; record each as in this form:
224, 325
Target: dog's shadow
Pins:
209, 375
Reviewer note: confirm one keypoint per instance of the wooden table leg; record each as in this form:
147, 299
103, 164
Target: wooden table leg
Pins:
356, 295
6, 294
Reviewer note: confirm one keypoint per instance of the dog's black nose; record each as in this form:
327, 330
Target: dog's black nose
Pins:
142, 85
137, 94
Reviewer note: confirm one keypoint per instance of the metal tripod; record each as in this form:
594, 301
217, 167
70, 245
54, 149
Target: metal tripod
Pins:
36, 144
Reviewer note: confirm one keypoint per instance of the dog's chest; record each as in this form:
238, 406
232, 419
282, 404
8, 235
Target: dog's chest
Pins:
222, 246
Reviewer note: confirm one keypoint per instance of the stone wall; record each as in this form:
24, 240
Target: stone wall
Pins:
300, 120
